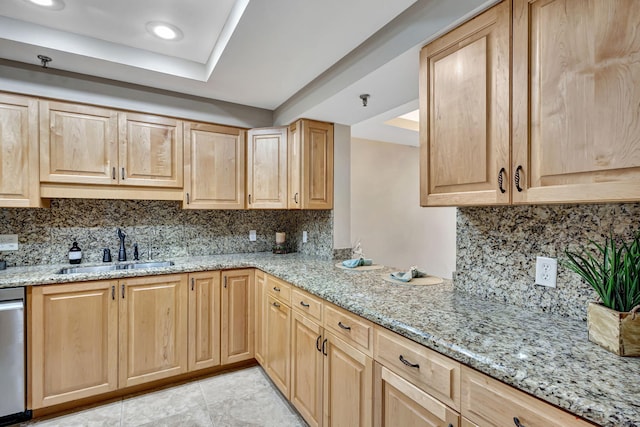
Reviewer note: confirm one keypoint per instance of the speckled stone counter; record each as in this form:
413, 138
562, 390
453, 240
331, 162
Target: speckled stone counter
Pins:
547, 356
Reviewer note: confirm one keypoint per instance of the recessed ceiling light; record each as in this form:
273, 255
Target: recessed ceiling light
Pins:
164, 31
49, 4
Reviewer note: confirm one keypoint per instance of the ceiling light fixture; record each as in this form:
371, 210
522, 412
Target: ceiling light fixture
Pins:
44, 60
164, 30
49, 4
365, 99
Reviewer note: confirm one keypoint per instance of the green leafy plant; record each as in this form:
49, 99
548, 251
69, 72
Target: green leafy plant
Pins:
612, 269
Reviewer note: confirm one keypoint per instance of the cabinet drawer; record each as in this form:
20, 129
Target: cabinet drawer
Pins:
279, 289
488, 402
437, 374
350, 327
307, 304
398, 402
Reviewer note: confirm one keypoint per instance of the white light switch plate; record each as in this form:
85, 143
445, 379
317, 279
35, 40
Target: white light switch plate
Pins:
546, 270
252, 235
8, 242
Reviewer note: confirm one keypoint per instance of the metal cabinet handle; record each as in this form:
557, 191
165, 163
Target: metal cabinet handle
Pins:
113, 292
123, 291
500, 178
187, 198
276, 305
123, 174
318, 343
249, 198
277, 289
324, 347
113, 172
343, 326
304, 304
295, 198
517, 178
517, 422
225, 281
409, 364
193, 283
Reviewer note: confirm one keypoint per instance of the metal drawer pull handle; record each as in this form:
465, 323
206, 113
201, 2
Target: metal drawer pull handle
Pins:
123, 174
276, 305
324, 347
113, 292
192, 283
277, 289
318, 343
295, 198
500, 174
409, 364
304, 304
517, 178
188, 201
123, 291
343, 326
113, 173
516, 421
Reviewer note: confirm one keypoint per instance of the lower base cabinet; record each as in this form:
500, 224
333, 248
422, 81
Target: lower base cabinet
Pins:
237, 316
348, 385
400, 403
278, 337
204, 320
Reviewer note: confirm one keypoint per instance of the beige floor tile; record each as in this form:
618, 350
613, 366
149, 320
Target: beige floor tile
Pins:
104, 415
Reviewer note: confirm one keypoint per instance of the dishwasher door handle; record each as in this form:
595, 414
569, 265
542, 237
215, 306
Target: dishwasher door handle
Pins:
11, 305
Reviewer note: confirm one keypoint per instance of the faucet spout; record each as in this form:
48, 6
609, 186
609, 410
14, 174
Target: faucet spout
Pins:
122, 253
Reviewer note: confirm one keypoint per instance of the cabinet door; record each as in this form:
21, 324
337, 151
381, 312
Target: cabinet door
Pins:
73, 341
348, 385
576, 89
237, 316
214, 167
277, 338
78, 144
153, 328
400, 403
204, 320
150, 150
306, 368
260, 304
464, 113
267, 168
19, 170
294, 162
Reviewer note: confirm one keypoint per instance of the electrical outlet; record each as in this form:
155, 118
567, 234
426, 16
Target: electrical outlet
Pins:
305, 237
252, 236
8, 242
546, 271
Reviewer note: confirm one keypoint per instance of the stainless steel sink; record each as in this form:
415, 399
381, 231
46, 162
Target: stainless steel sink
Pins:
113, 267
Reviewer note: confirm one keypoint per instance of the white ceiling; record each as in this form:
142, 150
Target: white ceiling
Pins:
261, 53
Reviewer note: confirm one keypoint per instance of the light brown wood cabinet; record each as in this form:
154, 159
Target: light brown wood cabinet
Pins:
260, 327
83, 146
204, 320
348, 385
237, 316
576, 90
572, 113
277, 345
153, 328
307, 368
214, 169
310, 163
490, 403
400, 403
19, 168
73, 341
267, 168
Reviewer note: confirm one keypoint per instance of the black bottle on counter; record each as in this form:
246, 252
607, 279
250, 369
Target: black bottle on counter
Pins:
75, 254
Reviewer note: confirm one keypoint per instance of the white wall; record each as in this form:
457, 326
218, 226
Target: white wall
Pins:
341, 186
386, 215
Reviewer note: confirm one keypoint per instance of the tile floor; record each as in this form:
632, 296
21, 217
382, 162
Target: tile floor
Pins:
240, 398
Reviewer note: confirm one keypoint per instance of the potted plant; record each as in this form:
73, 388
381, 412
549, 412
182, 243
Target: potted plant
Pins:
613, 270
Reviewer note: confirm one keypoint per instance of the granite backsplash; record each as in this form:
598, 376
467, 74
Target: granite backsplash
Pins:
45, 235
497, 249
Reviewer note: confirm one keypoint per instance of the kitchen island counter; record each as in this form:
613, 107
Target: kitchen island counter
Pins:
545, 355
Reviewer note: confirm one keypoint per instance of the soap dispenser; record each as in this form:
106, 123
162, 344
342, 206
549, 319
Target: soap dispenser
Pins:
75, 254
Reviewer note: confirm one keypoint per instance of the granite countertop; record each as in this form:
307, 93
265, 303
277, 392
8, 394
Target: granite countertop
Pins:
545, 355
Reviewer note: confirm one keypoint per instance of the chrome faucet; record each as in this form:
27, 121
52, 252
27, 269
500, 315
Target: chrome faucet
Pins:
122, 253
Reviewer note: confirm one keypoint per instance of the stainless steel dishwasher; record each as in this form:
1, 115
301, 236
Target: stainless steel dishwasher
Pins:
12, 357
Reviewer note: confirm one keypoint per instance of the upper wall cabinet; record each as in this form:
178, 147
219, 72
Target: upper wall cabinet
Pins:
19, 186
464, 113
82, 145
310, 155
574, 126
214, 167
576, 96
267, 168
